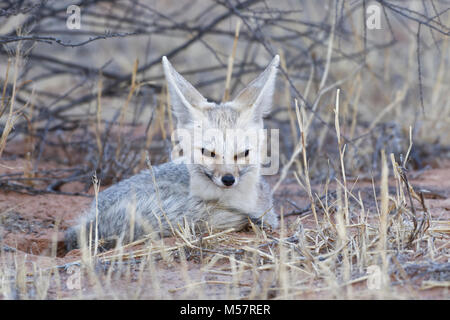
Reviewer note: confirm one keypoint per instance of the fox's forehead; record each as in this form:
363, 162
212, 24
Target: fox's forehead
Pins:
221, 117
224, 116
222, 127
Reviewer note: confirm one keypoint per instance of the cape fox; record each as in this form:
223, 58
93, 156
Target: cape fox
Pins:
223, 188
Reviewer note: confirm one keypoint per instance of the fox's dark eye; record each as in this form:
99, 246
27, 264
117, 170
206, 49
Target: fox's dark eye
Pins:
208, 153
243, 154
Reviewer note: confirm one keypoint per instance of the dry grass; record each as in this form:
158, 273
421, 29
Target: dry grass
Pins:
344, 244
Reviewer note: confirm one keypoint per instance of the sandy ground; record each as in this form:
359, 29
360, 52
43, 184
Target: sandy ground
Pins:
31, 223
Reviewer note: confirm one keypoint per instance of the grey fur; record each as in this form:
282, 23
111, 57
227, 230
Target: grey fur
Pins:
138, 197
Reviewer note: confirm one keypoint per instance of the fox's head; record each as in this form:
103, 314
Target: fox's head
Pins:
222, 140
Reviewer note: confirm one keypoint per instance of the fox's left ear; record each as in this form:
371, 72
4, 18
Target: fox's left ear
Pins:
257, 96
187, 102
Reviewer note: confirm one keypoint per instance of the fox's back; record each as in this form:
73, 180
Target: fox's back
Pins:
167, 179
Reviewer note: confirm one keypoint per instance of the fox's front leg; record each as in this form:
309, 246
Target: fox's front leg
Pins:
221, 219
268, 218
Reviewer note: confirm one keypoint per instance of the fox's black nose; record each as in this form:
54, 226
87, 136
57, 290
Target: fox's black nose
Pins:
228, 180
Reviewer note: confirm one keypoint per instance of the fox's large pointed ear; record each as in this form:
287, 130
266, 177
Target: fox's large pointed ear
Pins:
187, 102
257, 96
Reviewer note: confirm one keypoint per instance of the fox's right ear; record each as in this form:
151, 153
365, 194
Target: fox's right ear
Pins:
257, 96
187, 102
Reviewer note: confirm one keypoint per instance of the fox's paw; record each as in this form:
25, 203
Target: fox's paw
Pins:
269, 219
